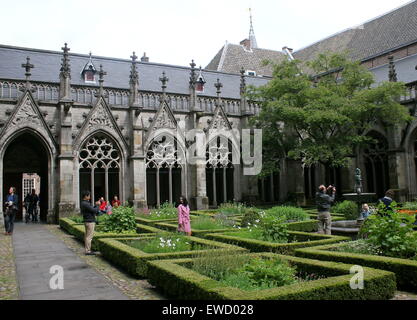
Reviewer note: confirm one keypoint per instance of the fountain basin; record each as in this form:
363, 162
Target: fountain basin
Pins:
349, 228
361, 198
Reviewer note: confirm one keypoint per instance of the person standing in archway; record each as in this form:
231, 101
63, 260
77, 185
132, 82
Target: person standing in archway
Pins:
89, 214
11, 210
33, 205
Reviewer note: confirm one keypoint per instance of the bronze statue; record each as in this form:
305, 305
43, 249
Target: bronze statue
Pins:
358, 181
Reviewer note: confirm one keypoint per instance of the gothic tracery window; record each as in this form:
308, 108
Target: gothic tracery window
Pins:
376, 164
163, 167
99, 163
219, 171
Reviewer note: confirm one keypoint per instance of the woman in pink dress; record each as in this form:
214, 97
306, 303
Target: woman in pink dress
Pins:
184, 217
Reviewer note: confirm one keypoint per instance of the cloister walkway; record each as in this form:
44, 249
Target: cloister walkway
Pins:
37, 250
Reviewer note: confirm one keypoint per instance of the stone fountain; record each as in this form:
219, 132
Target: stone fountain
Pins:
351, 227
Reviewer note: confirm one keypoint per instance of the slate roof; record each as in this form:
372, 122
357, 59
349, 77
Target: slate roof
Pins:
48, 63
231, 58
380, 35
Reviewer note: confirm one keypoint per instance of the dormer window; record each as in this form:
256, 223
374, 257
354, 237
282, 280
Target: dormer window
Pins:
199, 86
89, 71
89, 76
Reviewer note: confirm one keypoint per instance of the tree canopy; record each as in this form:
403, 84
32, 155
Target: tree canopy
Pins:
320, 111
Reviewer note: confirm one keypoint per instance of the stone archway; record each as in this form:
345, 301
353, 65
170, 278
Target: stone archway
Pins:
27, 153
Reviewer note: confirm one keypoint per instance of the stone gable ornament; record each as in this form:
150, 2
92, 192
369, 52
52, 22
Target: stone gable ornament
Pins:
164, 120
100, 118
26, 114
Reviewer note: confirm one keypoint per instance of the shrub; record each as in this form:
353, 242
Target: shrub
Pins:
274, 229
288, 213
348, 208
410, 206
252, 216
242, 272
232, 208
121, 220
392, 232
269, 272
80, 219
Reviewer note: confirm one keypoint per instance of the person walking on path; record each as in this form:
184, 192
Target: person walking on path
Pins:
33, 205
184, 224
324, 202
11, 210
89, 214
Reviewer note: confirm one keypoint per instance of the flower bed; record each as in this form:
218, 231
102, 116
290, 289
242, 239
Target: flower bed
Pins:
309, 225
78, 230
135, 261
404, 269
297, 240
176, 278
202, 225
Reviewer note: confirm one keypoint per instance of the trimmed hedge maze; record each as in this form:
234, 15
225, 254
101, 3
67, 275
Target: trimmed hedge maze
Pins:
177, 280
135, 261
299, 240
404, 269
307, 251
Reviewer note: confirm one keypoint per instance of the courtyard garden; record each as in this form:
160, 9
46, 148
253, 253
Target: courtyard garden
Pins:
242, 252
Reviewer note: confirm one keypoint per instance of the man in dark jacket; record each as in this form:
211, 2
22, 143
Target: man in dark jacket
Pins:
89, 214
324, 202
387, 200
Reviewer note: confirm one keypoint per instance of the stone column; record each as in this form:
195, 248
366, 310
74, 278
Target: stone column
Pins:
67, 199
295, 179
137, 165
197, 171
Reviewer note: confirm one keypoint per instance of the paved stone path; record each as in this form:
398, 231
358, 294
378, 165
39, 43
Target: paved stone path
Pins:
36, 250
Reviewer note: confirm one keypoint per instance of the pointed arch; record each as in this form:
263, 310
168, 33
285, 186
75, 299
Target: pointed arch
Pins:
23, 134
375, 157
100, 166
166, 169
100, 118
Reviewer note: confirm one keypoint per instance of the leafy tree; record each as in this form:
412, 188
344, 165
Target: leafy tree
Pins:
323, 118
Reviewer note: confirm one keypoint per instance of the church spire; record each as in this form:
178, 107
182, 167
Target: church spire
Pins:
252, 37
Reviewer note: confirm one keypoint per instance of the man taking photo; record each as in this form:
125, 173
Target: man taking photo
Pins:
324, 202
89, 214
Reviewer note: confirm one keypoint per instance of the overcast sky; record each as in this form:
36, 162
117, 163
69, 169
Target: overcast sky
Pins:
174, 32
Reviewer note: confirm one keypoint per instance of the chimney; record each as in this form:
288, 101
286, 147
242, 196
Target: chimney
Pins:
144, 58
246, 44
288, 52
286, 48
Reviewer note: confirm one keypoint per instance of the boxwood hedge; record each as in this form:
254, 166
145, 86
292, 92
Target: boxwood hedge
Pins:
175, 279
302, 239
198, 233
136, 261
78, 231
309, 225
404, 269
